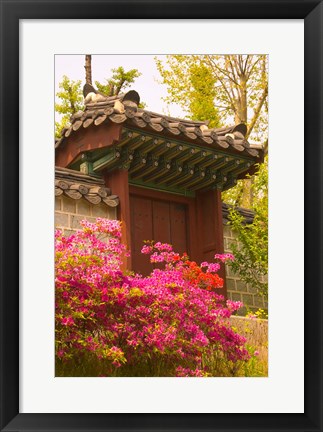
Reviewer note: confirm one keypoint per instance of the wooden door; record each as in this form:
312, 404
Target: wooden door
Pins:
153, 219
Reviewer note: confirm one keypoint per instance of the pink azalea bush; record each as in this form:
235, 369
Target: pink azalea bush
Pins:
173, 322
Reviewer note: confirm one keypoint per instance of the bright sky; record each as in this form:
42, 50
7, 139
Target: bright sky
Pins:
150, 91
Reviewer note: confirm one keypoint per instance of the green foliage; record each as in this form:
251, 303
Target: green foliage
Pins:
261, 314
201, 103
59, 126
234, 195
257, 366
119, 81
191, 85
70, 96
251, 254
70, 101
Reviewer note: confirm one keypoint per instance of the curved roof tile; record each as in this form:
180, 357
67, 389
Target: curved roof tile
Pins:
77, 185
111, 109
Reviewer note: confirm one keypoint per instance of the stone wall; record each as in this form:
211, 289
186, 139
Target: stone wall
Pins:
69, 212
236, 288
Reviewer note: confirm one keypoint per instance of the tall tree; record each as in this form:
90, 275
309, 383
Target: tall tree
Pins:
230, 89
237, 85
192, 85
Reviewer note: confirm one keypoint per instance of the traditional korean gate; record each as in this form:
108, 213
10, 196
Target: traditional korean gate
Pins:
153, 219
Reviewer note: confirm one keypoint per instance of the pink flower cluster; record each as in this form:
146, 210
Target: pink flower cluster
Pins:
224, 257
159, 325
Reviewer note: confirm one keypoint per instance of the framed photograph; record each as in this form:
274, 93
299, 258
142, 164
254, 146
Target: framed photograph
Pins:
169, 170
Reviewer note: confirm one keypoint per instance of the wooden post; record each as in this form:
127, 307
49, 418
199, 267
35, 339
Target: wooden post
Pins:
88, 69
210, 228
220, 235
117, 181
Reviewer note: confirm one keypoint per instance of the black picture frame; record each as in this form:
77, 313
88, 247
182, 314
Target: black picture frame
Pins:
11, 12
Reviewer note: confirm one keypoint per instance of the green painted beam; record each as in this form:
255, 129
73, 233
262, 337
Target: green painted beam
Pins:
139, 162
231, 174
150, 145
151, 165
197, 158
127, 159
136, 142
162, 188
163, 168
197, 178
126, 137
229, 167
239, 169
187, 154
229, 184
173, 152
173, 173
209, 160
111, 160
221, 182
209, 180
219, 163
186, 174
162, 148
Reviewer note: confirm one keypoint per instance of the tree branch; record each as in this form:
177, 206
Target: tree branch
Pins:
246, 65
253, 66
257, 111
225, 72
223, 85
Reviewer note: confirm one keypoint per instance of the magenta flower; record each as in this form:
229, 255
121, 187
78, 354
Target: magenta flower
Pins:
123, 322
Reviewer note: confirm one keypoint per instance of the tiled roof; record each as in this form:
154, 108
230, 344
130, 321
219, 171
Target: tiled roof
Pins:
77, 185
119, 109
248, 215
176, 155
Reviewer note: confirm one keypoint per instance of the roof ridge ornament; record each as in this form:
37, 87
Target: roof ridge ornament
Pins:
92, 96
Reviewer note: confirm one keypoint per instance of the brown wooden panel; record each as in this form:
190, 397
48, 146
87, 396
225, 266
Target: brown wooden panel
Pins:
207, 226
158, 220
141, 229
178, 227
193, 228
161, 221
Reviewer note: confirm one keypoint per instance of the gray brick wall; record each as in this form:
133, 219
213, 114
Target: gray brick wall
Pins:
236, 288
69, 213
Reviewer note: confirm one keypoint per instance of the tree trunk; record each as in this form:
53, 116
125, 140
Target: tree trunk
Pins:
242, 117
242, 107
88, 69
